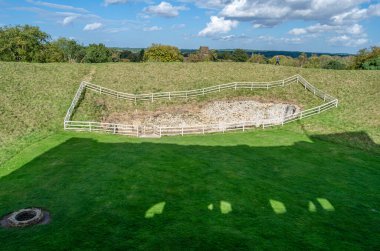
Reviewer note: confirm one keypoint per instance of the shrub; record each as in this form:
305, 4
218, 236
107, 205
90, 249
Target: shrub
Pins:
162, 53
258, 58
97, 53
239, 55
334, 65
372, 64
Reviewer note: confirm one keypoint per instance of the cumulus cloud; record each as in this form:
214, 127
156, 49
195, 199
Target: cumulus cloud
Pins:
218, 25
345, 40
270, 13
355, 29
153, 28
68, 20
164, 9
93, 26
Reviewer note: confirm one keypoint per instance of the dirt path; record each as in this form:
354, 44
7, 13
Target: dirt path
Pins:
90, 75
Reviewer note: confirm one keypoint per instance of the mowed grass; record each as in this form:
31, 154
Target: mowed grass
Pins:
261, 184
312, 184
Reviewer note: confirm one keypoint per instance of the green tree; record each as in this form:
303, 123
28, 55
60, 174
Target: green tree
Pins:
72, 51
163, 53
97, 53
239, 55
364, 55
22, 43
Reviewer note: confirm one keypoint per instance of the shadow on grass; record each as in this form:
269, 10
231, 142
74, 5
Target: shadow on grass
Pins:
164, 196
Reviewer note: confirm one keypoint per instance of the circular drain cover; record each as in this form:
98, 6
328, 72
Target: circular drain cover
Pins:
26, 217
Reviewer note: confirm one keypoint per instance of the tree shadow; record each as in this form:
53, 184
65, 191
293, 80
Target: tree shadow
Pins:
318, 195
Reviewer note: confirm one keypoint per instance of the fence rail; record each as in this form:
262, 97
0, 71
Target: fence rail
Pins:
132, 130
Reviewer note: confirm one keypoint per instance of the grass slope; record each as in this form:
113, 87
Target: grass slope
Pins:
99, 189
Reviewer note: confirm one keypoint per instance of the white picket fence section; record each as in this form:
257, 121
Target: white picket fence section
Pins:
140, 131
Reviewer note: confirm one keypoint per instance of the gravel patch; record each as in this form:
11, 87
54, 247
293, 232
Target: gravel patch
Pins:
214, 112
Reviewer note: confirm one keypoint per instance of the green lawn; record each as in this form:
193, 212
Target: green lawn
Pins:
285, 190
313, 184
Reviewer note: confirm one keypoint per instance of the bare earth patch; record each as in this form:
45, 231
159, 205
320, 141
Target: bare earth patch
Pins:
213, 112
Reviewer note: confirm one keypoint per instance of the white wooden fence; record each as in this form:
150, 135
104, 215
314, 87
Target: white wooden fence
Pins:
138, 131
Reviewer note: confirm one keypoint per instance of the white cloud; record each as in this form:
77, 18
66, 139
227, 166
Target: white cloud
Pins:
218, 25
110, 2
57, 6
298, 31
348, 41
93, 26
355, 29
68, 20
164, 9
270, 13
153, 28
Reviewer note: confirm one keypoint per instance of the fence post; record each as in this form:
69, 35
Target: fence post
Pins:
182, 131
114, 128
135, 100
283, 82
137, 131
203, 129
89, 123
267, 86
169, 96
152, 97
319, 109
160, 132
243, 126
203, 91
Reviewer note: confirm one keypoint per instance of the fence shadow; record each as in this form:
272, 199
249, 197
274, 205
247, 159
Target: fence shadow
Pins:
318, 195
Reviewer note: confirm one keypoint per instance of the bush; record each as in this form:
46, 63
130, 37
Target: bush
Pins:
97, 53
372, 64
258, 59
239, 55
334, 65
367, 58
163, 53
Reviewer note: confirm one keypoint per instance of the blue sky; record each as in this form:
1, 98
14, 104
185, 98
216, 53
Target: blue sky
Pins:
315, 26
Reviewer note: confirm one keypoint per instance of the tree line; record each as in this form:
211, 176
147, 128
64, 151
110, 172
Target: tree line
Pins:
30, 44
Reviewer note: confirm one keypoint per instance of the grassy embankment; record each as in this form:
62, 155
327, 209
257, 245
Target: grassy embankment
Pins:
99, 187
